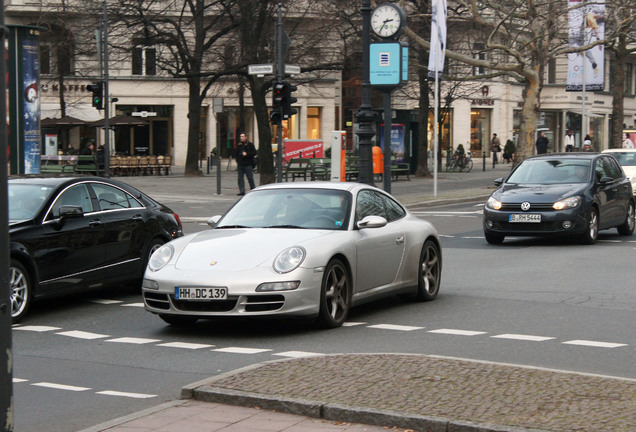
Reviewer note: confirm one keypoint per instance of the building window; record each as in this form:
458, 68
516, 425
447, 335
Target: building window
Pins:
552, 71
144, 60
56, 58
45, 59
313, 123
479, 54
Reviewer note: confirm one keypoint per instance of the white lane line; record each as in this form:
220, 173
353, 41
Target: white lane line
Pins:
473, 237
19, 380
125, 394
105, 301
83, 335
352, 324
522, 337
610, 241
239, 350
457, 332
61, 386
37, 328
596, 344
131, 340
298, 354
448, 236
185, 345
394, 327
139, 305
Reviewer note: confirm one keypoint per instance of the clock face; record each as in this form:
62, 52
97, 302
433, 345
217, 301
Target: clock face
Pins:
386, 20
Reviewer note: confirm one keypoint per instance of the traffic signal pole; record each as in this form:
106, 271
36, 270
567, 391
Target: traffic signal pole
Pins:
280, 75
106, 94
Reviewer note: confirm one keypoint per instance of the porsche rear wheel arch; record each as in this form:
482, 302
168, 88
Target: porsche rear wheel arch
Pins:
335, 294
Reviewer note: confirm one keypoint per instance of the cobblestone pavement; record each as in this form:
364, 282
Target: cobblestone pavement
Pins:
392, 392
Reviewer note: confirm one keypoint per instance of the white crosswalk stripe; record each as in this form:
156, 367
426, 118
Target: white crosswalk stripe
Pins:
297, 354
394, 327
132, 340
457, 332
83, 335
239, 350
126, 394
192, 346
597, 344
61, 386
522, 337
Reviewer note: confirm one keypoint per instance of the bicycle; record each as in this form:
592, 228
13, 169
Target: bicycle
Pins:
460, 162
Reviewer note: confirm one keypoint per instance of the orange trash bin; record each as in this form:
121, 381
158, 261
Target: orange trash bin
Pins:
378, 160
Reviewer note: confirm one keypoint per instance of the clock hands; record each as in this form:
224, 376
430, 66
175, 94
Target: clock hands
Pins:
384, 23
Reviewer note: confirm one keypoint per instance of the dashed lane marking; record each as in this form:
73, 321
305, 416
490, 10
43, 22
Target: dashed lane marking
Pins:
138, 305
126, 394
298, 354
19, 380
105, 301
239, 350
457, 332
352, 324
132, 340
394, 327
61, 386
522, 337
596, 344
39, 329
83, 335
192, 346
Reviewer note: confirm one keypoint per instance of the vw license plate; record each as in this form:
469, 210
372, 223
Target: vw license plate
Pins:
528, 218
199, 293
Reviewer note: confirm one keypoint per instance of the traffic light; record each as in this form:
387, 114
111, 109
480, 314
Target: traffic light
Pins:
98, 94
275, 117
288, 100
277, 95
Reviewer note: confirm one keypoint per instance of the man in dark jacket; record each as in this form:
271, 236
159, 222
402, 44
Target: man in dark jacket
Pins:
245, 153
542, 144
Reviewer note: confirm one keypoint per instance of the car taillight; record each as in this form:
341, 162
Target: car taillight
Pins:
179, 231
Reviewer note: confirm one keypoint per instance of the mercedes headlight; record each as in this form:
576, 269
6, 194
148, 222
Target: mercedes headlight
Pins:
493, 203
567, 203
289, 259
161, 257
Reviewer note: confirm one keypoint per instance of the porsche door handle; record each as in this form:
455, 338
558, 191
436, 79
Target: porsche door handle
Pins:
399, 240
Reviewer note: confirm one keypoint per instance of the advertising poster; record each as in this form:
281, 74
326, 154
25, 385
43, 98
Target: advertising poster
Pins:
295, 149
397, 141
586, 25
31, 107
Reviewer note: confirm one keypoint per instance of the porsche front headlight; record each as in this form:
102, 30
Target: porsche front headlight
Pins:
289, 259
493, 203
567, 203
161, 257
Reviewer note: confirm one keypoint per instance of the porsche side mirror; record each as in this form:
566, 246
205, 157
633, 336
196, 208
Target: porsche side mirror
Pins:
213, 220
372, 222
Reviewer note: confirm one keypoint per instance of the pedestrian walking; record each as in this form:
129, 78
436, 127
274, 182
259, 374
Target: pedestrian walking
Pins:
587, 144
569, 141
495, 147
542, 144
245, 154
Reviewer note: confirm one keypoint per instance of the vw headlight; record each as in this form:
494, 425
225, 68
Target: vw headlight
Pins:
161, 257
567, 203
493, 203
289, 259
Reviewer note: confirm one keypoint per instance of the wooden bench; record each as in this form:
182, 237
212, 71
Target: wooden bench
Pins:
297, 168
400, 168
87, 164
57, 169
320, 168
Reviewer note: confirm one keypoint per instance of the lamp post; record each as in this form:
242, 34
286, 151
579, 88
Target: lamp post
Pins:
365, 115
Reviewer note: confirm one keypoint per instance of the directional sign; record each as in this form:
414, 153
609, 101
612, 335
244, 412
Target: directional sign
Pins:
292, 69
260, 69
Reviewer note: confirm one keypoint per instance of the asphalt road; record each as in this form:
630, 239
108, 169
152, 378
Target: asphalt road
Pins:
555, 304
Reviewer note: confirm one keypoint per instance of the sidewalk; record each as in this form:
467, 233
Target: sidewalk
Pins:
380, 392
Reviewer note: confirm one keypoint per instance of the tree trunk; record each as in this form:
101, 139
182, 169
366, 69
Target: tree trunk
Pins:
265, 156
525, 144
194, 127
618, 93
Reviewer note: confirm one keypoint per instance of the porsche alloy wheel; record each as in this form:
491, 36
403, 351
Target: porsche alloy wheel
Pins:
21, 290
335, 295
430, 272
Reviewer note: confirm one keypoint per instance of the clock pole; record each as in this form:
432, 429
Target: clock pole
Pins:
365, 115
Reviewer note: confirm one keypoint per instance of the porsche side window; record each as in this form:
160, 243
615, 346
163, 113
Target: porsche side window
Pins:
369, 204
393, 209
74, 196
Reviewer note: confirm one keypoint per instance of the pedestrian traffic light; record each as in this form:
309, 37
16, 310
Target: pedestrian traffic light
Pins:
98, 94
275, 117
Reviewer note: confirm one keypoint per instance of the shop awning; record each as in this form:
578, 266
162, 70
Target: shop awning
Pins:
121, 121
66, 121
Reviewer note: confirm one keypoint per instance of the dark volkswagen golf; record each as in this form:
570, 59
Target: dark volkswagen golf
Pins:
71, 234
575, 194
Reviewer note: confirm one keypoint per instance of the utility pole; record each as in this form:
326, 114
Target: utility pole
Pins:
6, 356
106, 94
365, 115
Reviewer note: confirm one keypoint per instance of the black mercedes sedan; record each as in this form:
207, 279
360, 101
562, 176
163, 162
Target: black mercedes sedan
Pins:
575, 194
69, 234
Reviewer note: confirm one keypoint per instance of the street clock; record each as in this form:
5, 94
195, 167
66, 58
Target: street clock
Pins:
387, 20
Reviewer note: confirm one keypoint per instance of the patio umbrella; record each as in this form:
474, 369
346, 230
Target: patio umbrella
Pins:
66, 121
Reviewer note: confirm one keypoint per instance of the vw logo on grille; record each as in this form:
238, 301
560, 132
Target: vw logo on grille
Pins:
525, 206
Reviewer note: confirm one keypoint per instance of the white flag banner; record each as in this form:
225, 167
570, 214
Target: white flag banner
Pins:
586, 24
438, 39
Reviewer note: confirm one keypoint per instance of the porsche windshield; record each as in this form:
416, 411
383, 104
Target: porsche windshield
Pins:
552, 171
26, 200
290, 208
